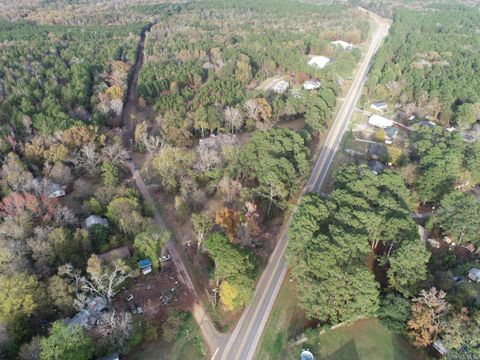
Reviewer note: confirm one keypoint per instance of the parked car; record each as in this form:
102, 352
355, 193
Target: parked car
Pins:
165, 257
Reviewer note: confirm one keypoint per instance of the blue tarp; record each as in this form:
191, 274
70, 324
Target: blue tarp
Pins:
144, 263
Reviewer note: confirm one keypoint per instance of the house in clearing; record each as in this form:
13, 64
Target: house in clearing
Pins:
281, 86
91, 312
95, 220
380, 121
312, 84
474, 274
318, 61
379, 105
343, 44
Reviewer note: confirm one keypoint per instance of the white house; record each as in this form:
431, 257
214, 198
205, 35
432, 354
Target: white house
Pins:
55, 191
343, 44
319, 61
379, 105
474, 274
312, 84
95, 220
380, 121
281, 86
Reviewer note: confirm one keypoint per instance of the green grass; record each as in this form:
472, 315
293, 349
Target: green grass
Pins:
363, 340
282, 324
188, 345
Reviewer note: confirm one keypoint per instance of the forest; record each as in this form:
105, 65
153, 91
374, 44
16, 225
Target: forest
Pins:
400, 244
222, 152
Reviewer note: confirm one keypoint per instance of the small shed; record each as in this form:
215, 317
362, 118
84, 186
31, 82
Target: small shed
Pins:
390, 133
379, 105
318, 61
55, 190
110, 357
281, 86
376, 166
440, 348
474, 274
380, 121
144, 263
312, 84
95, 220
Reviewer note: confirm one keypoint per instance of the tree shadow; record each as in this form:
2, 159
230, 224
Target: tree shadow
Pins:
346, 352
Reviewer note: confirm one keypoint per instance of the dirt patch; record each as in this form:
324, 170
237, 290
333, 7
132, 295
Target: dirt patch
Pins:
156, 293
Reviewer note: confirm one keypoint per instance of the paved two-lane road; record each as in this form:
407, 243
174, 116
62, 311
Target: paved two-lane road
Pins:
246, 336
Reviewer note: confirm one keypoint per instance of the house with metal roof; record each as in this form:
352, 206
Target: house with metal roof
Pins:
95, 220
318, 61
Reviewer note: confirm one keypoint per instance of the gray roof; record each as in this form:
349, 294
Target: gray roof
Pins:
95, 220
376, 166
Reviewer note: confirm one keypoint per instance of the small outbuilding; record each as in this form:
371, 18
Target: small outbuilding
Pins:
376, 166
379, 105
390, 133
281, 86
55, 191
145, 266
380, 121
343, 44
318, 61
312, 84
474, 274
440, 348
95, 220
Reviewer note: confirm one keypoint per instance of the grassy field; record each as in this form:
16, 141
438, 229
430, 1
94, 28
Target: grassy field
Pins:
188, 345
363, 340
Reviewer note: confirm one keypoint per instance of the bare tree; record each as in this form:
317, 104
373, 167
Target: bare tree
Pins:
202, 223
229, 188
208, 156
116, 105
115, 153
252, 108
116, 329
233, 119
64, 216
103, 280
87, 158
153, 143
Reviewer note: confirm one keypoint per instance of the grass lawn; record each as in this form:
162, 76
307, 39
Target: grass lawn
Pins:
363, 340
188, 345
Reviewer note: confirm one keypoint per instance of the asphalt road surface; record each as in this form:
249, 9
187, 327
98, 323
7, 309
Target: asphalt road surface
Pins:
246, 336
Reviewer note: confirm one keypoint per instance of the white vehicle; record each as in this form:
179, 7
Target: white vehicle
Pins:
129, 297
147, 270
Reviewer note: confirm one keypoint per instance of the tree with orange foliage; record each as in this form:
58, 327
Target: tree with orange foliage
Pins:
78, 136
228, 219
427, 311
16, 204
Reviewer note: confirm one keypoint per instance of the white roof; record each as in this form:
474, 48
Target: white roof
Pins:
95, 220
342, 43
281, 86
474, 272
319, 61
379, 105
312, 84
380, 121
